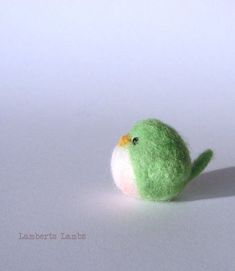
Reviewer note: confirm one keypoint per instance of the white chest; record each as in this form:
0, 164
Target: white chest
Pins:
122, 171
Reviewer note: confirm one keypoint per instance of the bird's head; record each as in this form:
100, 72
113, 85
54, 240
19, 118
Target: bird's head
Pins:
142, 139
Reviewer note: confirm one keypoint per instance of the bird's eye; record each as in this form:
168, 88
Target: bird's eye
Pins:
135, 140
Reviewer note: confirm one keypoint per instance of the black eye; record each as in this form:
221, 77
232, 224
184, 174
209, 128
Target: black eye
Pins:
135, 140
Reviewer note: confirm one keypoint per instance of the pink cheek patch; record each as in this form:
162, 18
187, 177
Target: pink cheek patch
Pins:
128, 188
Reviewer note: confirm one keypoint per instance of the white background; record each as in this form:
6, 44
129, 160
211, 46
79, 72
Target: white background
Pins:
74, 76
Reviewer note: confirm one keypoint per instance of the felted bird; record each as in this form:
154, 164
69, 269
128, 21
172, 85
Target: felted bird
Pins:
152, 162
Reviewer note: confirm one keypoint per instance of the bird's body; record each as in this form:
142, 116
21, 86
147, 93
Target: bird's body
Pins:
153, 162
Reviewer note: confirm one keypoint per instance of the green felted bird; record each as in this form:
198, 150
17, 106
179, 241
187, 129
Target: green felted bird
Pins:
152, 162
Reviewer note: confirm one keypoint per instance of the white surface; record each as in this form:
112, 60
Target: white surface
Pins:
74, 76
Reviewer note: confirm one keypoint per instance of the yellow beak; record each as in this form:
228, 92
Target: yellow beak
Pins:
124, 140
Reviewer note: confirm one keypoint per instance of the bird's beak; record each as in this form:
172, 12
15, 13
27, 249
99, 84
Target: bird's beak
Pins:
124, 140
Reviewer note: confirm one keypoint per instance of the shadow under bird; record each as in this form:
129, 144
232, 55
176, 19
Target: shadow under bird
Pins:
153, 162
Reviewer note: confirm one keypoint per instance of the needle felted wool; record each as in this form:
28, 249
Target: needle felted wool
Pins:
152, 162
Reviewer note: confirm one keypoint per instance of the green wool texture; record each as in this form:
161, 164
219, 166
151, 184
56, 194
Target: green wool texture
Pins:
161, 160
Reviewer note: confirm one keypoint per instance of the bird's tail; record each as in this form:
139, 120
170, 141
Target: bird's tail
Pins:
200, 163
